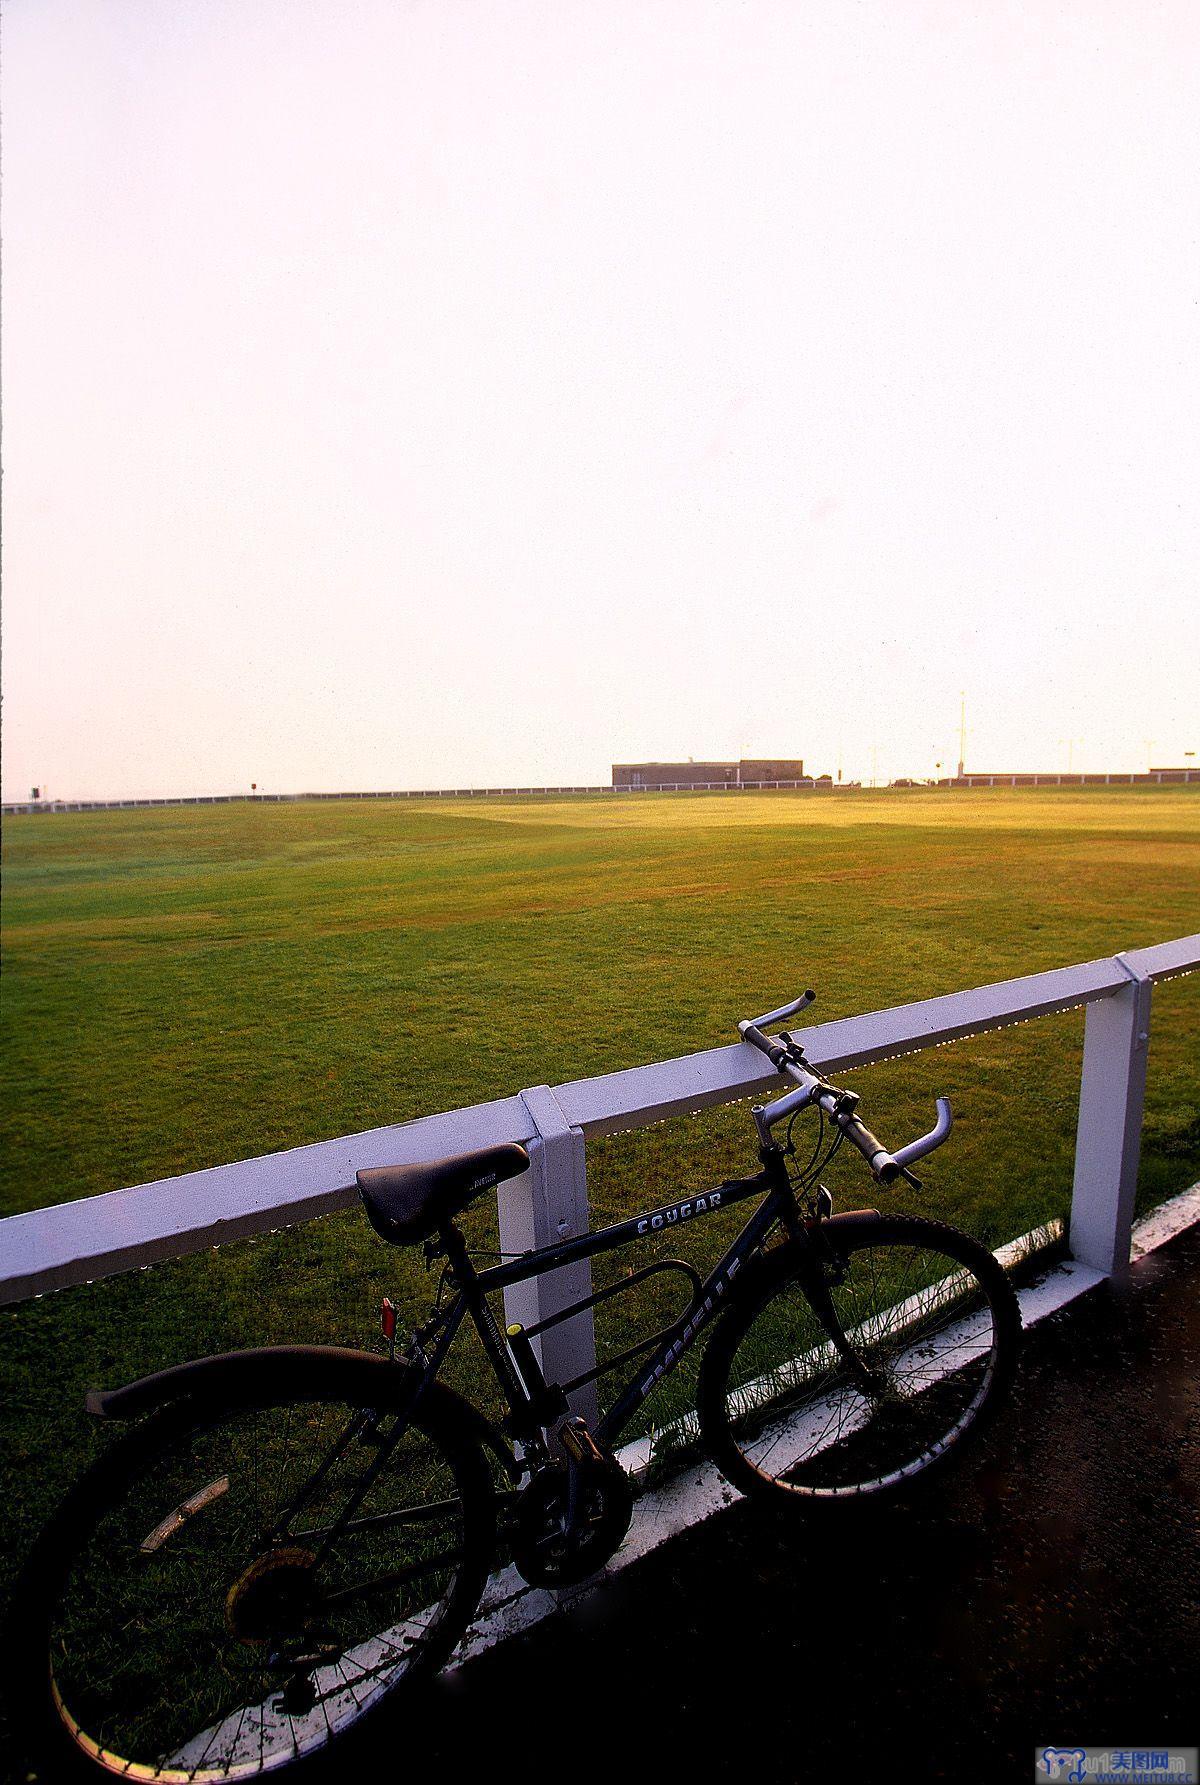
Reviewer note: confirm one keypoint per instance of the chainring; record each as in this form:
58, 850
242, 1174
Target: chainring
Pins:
546, 1552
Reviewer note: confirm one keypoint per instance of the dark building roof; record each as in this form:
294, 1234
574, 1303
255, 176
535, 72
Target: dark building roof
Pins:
749, 769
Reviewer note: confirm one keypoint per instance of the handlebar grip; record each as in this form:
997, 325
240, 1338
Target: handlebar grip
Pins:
885, 1168
775, 1051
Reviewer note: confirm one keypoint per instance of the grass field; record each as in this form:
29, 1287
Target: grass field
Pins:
184, 986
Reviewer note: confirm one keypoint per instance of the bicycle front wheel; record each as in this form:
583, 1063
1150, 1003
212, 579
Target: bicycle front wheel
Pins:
241, 1579
838, 1376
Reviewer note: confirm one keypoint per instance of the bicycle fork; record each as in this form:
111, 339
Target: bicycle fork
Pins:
812, 1281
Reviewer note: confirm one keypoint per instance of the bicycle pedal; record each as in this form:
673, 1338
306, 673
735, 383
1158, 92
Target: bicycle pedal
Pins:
578, 1442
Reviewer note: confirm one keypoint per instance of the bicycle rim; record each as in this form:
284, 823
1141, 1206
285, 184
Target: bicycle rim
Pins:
206, 1622
930, 1329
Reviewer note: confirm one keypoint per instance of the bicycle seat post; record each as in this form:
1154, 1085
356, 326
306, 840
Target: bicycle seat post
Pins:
452, 1245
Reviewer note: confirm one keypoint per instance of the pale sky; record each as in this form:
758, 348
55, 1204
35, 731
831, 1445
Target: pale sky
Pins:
477, 392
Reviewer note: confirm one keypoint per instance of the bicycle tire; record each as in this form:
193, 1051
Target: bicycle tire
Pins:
153, 1627
930, 1316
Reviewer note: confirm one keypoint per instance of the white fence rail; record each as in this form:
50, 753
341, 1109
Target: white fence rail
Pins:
75, 1242
18, 808
808, 784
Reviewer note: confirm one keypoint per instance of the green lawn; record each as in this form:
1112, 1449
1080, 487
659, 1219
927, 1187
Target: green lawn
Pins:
184, 986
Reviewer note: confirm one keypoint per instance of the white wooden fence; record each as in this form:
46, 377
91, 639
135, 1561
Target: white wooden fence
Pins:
75, 1242
808, 784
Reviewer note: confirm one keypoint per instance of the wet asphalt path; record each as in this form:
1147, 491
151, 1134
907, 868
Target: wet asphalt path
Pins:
1045, 1592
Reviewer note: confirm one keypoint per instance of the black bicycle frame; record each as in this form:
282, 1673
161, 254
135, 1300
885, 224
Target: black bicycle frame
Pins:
473, 1286
531, 1410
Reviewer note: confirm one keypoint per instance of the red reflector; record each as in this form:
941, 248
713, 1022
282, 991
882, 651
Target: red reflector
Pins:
387, 1319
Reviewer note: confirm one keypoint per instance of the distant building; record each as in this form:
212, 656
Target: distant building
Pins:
777, 769
706, 774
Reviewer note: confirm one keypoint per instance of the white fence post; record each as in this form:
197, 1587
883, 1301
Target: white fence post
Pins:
1112, 1094
540, 1208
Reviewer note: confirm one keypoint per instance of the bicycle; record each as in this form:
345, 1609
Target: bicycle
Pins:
291, 1535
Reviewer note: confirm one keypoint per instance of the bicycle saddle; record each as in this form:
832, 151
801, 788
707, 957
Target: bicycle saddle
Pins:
406, 1203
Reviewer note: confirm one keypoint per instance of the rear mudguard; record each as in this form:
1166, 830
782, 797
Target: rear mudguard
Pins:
238, 1377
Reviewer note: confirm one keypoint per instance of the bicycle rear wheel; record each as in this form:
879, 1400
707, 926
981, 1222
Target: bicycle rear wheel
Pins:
908, 1350
192, 1613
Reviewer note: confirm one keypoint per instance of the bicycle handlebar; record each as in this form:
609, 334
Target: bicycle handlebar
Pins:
776, 1051
751, 1029
839, 1105
917, 1149
884, 1165
777, 1016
